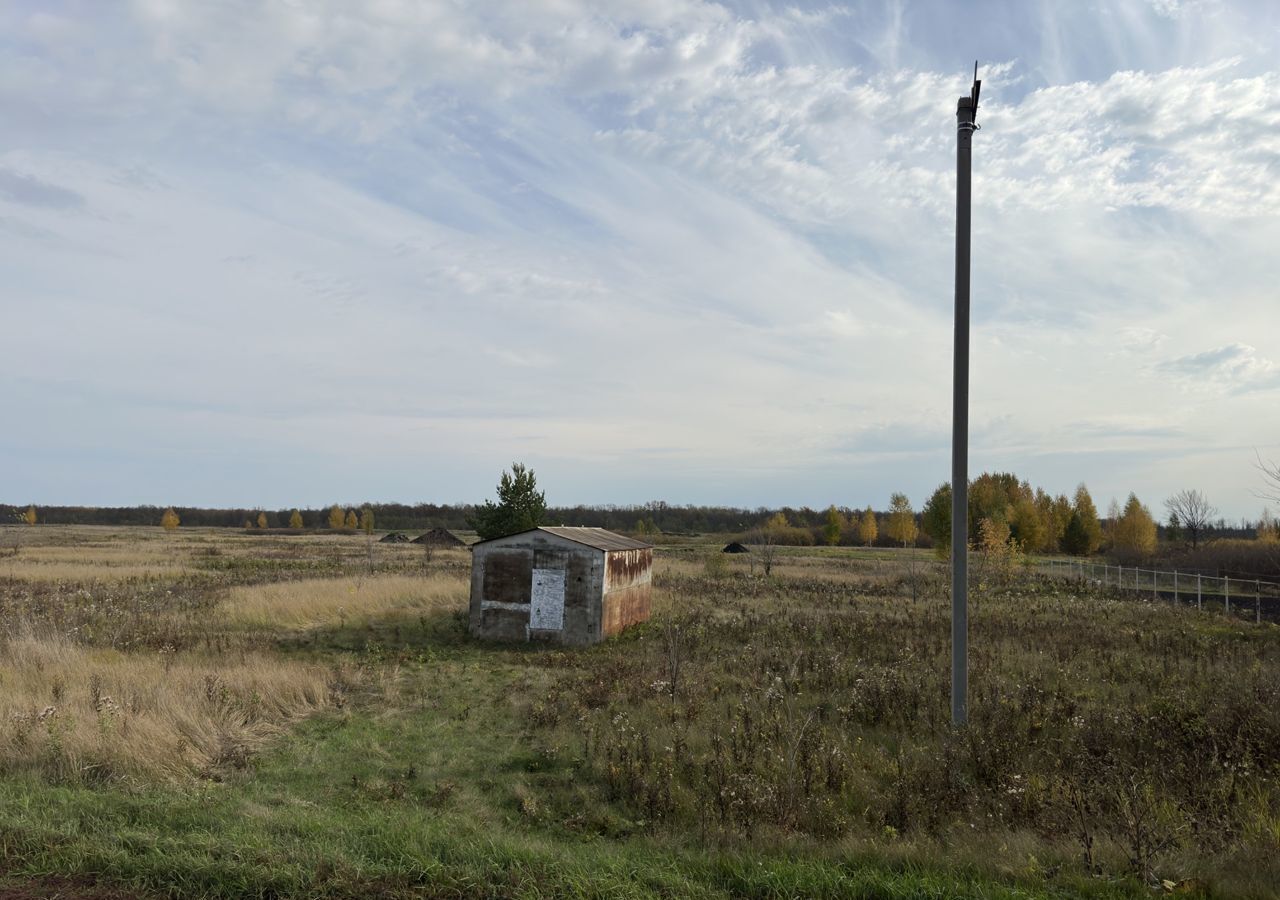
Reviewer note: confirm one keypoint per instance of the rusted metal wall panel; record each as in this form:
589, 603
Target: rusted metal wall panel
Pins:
626, 606
624, 568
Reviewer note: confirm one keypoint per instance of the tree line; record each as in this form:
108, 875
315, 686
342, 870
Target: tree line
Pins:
1002, 508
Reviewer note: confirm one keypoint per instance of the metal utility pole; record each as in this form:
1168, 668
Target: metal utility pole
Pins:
966, 125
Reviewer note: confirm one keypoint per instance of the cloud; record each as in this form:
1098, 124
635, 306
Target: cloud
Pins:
1236, 367
572, 230
1141, 339
28, 190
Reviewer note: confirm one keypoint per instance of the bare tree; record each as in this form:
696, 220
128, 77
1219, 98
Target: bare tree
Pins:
1193, 512
1270, 478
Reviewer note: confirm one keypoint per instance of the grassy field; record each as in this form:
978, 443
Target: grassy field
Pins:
222, 714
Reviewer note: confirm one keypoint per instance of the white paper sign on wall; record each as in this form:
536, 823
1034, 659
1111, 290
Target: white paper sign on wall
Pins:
546, 611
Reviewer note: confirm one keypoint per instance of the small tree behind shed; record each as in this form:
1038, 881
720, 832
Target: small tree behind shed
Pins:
520, 507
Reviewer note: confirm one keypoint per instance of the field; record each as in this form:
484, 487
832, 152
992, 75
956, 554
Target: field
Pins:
204, 713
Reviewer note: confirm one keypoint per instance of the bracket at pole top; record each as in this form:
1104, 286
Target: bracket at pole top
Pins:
968, 107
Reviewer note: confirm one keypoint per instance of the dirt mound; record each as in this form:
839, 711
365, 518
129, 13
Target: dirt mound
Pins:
394, 537
735, 547
440, 537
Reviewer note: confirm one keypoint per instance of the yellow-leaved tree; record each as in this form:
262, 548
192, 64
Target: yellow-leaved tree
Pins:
295, 519
170, 519
867, 528
262, 520
1088, 514
351, 520
366, 520
1133, 532
1028, 527
998, 552
30, 515
336, 517
902, 520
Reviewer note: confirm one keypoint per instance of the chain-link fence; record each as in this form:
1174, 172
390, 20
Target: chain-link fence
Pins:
1253, 598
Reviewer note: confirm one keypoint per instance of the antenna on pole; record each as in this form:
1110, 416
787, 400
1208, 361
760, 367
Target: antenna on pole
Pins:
966, 125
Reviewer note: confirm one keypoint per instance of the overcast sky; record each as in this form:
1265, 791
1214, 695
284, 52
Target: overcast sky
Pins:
290, 253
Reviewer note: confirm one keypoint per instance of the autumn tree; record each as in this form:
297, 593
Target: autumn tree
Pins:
998, 551
351, 521
1088, 513
1133, 533
902, 520
1054, 513
295, 519
992, 496
29, 516
1026, 525
1193, 512
262, 520
868, 530
833, 525
520, 507
170, 519
366, 520
336, 517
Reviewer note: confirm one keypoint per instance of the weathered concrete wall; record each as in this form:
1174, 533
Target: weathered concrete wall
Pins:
502, 590
502, 576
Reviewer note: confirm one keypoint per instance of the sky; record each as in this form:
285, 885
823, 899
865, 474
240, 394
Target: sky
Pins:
289, 253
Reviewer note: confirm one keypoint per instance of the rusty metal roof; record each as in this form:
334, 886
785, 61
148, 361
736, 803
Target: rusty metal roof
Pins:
599, 538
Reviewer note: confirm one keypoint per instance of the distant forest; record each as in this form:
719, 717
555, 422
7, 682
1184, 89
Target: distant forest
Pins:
652, 518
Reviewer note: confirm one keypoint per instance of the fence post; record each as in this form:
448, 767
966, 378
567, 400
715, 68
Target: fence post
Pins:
1226, 591
1155, 575
1257, 601
1198, 595
1175, 587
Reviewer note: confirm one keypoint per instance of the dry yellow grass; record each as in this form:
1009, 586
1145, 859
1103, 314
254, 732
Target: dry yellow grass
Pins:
33, 570
93, 562
809, 563
338, 601
75, 713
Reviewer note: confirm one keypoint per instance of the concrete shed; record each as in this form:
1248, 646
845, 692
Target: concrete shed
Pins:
562, 585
